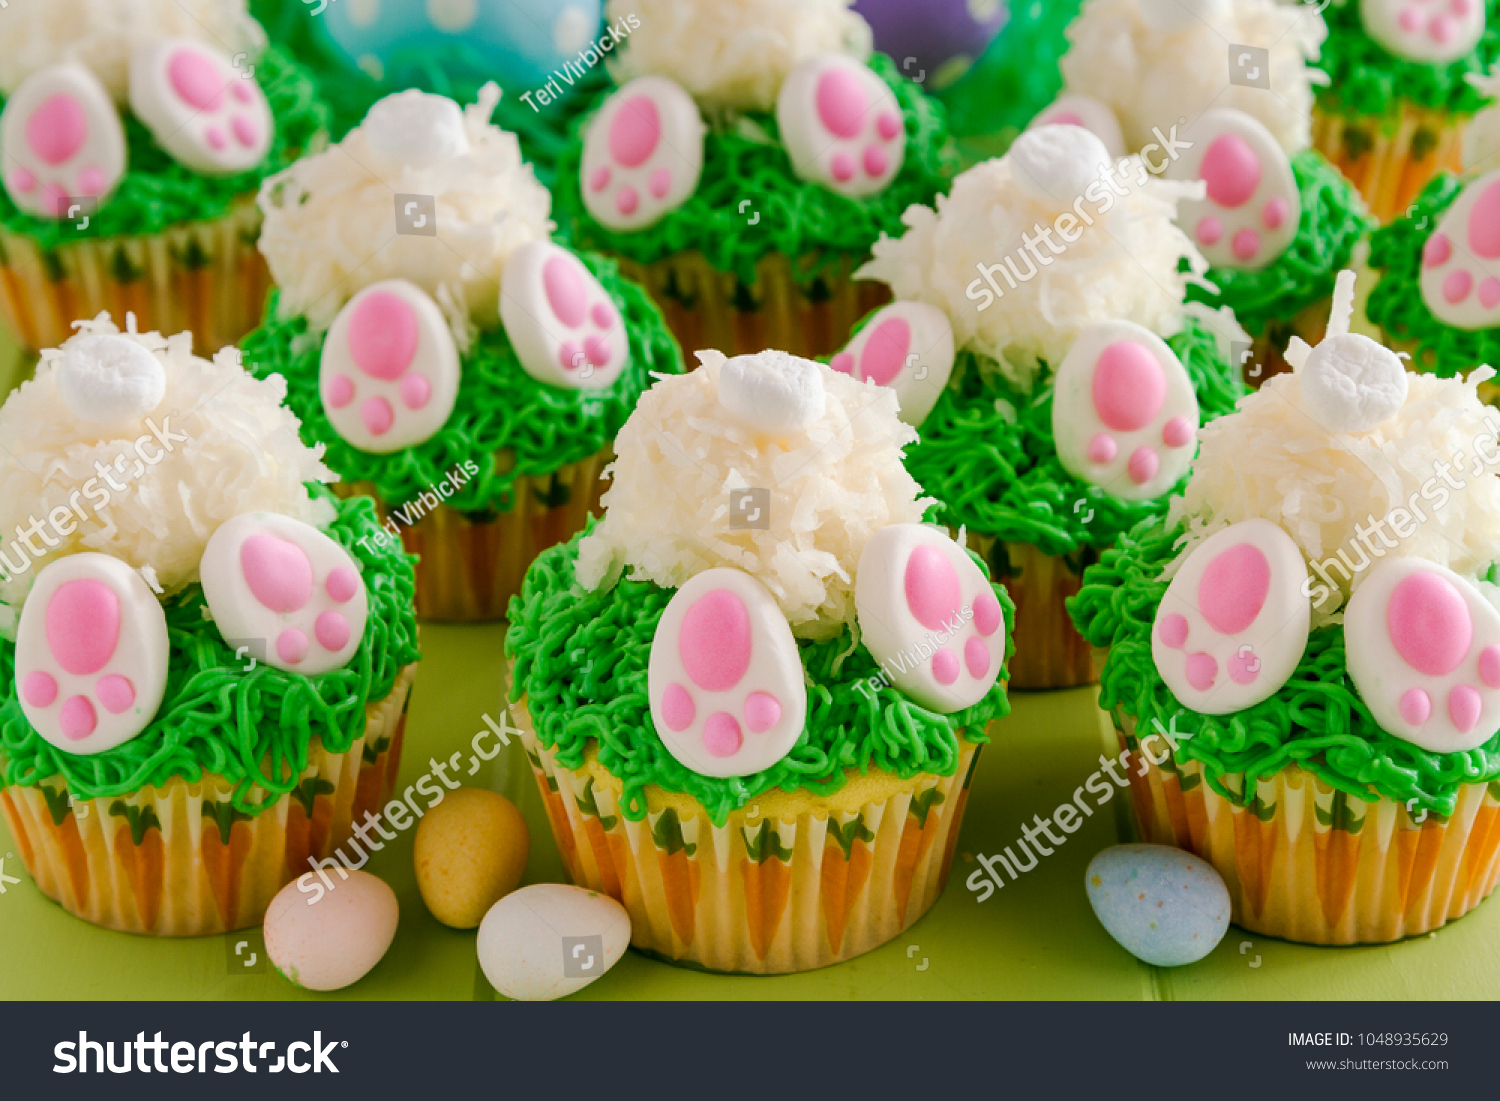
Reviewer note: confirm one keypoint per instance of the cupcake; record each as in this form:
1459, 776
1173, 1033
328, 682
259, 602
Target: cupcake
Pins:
1401, 91
748, 159
1304, 654
1057, 389
205, 656
1278, 221
753, 703
134, 136
457, 365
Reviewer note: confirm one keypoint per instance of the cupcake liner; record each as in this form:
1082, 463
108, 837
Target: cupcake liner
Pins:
180, 860
1307, 862
470, 566
768, 892
1050, 653
1391, 158
206, 278
708, 308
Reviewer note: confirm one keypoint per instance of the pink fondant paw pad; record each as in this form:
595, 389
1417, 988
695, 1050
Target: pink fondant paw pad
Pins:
390, 370
270, 577
1124, 413
841, 125
60, 139
907, 346
1423, 647
929, 617
642, 154
1234, 622
91, 654
1253, 206
1075, 109
1425, 30
727, 692
1461, 259
564, 327
209, 115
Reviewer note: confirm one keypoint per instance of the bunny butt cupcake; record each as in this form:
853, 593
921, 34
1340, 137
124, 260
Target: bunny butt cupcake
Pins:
1033, 292
458, 366
748, 159
204, 656
1304, 655
753, 700
134, 136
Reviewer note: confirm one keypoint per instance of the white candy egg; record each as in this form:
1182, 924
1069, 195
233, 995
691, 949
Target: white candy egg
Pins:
550, 940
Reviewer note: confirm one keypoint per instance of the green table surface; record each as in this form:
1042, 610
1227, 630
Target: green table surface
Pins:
1036, 938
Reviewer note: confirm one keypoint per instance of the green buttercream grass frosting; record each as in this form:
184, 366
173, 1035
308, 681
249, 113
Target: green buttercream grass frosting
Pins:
157, 193
253, 728
798, 219
500, 408
581, 663
988, 454
1316, 720
1396, 304
1333, 220
1366, 80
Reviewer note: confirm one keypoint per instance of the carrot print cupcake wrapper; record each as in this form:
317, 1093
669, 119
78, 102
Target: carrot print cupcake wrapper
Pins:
206, 278
1391, 158
1050, 653
708, 308
470, 567
1307, 862
759, 895
181, 860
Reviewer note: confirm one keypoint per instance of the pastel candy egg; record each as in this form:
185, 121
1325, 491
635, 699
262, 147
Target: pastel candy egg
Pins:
1423, 648
1234, 621
1436, 31
1075, 109
728, 695
936, 41
564, 327
1124, 413
1350, 383
841, 125
772, 391
105, 379
210, 115
907, 346
1460, 278
60, 141
1058, 163
550, 940
322, 939
1164, 906
470, 851
929, 617
91, 654
277, 581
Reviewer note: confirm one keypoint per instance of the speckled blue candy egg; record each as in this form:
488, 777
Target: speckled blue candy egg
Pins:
520, 43
1165, 906
938, 38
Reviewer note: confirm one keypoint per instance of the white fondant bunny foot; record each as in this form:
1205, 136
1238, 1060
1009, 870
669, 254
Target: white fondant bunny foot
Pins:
727, 692
1234, 622
1253, 207
389, 373
841, 125
91, 654
1124, 412
642, 154
907, 346
1076, 109
61, 140
1423, 648
929, 617
209, 115
1461, 260
560, 321
276, 579
1425, 30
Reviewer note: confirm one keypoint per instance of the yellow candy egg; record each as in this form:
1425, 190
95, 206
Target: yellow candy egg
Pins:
471, 851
